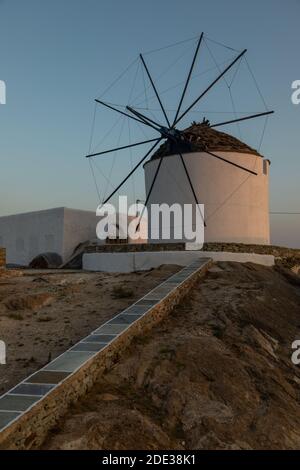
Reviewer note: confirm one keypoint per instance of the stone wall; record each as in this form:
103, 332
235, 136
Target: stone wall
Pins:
277, 251
134, 247
29, 430
2, 258
286, 257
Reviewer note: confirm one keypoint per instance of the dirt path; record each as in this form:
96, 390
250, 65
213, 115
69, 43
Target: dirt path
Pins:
42, 313
216, 374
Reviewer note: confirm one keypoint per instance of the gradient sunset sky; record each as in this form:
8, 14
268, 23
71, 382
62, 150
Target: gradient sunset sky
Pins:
56, 56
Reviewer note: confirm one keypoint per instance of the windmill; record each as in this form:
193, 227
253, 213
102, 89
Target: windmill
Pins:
168, 132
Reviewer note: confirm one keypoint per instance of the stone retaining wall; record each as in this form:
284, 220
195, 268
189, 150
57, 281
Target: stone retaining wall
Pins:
2, 258
31, 417
134, 247
286, 257
277, 251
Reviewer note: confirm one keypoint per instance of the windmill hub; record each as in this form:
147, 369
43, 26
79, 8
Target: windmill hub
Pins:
171, 133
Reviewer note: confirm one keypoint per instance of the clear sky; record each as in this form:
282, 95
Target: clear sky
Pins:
56, 56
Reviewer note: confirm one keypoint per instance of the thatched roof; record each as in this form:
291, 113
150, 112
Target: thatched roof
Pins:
199, 137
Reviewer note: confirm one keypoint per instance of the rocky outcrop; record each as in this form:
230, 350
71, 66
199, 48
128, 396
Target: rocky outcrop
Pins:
217, 374
2, 258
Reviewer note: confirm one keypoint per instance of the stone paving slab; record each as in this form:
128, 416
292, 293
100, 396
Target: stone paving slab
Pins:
82, 346
17, 402
99, 338
124, 319
110, 329
69, 361
31, 389
45, 377
7, 417
137, 309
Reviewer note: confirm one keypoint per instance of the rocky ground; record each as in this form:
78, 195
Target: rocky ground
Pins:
42, 313
217, 374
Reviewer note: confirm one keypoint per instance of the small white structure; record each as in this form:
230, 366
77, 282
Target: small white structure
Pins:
57, 230
236, 202
141, 261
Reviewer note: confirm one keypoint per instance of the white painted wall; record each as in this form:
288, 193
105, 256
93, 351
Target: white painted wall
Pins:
79, 226
26, 235
236, 203
57, 230
140, 261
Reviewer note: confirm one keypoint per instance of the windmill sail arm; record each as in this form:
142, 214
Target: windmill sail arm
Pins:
121, 148
191, 185
121, 112
145, 119
188, 78
150, 192
230, 163
245, 118
142, 116
155, 90
132, 171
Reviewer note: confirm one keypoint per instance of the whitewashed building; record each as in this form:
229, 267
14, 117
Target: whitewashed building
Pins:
236, 202
59, 230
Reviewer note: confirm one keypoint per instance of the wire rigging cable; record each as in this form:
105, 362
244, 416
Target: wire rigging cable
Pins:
118, 77
221, 44
161, 75
90, 162
114, 158
171, 45
229, 85
256, 84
